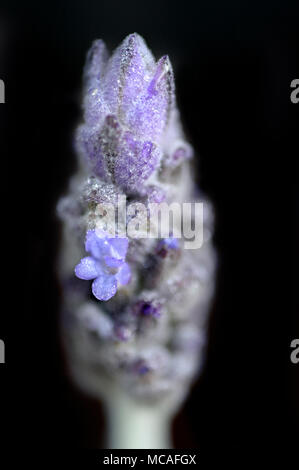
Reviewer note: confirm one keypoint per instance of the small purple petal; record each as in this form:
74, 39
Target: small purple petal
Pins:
124, 274
119, 247
152, 111
104, 287
98, 247
171, 243
87, 269
113, 262
135, 163
101, 233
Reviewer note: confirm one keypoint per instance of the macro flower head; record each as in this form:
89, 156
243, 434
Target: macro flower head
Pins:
131, 148
106, 264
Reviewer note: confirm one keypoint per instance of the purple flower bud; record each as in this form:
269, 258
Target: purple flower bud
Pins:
128, 101
147, 309
140, 367
181, 151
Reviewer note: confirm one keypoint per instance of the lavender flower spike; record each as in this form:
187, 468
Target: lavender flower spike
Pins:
135, 309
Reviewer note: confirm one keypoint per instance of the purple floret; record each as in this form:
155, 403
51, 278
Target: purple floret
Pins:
147, 309
106, 265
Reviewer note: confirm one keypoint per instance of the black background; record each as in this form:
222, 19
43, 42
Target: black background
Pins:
233, 62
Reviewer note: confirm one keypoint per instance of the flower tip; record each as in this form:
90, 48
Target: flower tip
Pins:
164, 64
96, 59
98, 45
134, 39
135, 46
165, 60
163, 77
